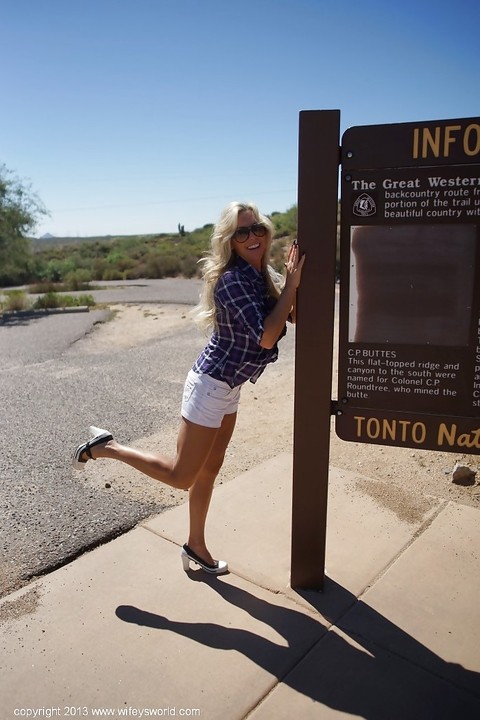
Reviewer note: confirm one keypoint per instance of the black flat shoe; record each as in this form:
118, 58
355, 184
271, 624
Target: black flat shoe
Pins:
218, 567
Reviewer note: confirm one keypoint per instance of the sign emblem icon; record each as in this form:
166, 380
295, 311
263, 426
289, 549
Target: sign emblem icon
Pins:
364, 206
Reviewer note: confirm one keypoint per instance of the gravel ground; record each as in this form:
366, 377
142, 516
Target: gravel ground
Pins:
50, 394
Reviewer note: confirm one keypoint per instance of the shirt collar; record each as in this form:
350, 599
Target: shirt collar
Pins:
248, 270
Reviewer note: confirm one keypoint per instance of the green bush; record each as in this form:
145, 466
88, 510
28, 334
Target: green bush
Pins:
57, 269
78, 279
41, 288
135, 273
189, 267
160, 266
16, 300
112, 274
53, 300
85, 300
285, 223
49, 300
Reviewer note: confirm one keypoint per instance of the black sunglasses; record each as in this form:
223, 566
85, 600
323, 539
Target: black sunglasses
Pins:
242, 233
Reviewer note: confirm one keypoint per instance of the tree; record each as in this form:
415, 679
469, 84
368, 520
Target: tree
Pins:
20, 209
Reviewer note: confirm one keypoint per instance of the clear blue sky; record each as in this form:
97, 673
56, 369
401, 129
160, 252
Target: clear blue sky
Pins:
130, 116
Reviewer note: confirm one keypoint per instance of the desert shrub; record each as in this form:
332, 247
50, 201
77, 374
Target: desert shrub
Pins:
160, 266
285, 223
57, 269
86, 300
49, 300
16, 300
41, 288
279, 252
189, 267
112, 274
78, 279
115, 257
135, 273
53, 300
99, 265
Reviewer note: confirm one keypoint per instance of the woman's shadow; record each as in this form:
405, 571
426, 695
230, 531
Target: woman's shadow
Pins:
384, 674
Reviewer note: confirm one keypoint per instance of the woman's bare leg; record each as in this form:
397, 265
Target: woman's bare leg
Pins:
194, 445
200, 493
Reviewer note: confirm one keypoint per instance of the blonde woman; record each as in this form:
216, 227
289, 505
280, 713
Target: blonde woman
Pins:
246, 313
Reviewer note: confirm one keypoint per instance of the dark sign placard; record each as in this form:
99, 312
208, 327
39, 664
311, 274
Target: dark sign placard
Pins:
409, 351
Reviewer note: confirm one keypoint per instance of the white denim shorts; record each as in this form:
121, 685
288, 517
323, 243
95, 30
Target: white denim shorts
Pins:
206, 401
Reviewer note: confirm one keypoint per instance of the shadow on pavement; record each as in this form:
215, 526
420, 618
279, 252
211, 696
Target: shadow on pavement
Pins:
20, 319
365, 666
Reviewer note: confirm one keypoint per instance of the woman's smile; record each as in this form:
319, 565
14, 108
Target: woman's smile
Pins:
253, 249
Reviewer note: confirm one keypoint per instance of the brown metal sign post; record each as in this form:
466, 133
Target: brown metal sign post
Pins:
319, 135
409, 346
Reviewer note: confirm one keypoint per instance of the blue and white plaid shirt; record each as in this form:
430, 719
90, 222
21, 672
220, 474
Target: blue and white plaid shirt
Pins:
234, 353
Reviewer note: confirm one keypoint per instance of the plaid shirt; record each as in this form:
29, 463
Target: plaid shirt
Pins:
233, 353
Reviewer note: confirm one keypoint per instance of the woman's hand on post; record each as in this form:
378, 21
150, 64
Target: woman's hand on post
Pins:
294, 266
275, 321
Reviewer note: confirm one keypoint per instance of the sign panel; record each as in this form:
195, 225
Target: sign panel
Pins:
409, 351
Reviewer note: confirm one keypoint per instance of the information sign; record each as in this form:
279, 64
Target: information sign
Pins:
409, 349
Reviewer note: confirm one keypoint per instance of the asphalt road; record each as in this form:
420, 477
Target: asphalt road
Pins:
50, 392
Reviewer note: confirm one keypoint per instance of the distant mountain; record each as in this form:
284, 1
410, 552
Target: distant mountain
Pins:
47, 236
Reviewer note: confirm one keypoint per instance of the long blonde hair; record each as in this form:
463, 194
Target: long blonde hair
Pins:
221, 257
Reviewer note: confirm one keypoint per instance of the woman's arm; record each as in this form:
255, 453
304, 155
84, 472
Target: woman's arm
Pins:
275, 321
293, 312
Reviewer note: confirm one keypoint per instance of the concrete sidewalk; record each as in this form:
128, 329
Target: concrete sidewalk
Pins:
124, 632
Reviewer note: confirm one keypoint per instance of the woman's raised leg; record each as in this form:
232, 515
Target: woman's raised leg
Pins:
194, 445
